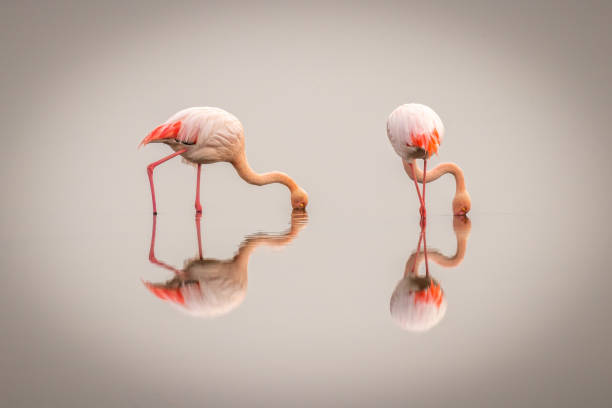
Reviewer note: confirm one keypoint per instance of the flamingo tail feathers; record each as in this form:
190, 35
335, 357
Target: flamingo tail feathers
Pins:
166, 131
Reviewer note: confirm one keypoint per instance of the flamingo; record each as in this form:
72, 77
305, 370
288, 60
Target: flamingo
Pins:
418, 303
212, 287
207, 135
415, 132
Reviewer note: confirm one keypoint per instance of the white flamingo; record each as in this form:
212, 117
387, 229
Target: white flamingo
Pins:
210, 135
415, 132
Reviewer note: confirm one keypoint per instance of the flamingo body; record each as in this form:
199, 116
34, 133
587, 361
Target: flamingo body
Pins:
415, 131
209, 134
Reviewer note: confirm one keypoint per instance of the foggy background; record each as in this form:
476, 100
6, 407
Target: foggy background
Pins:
523, 89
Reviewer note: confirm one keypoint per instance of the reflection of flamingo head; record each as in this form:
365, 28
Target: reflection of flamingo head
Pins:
418, 303
203, 290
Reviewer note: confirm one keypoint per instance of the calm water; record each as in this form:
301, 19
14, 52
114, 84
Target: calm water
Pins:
304, 314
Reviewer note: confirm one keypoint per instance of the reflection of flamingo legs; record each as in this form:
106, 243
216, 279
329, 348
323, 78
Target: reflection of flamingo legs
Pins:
414, 265
425, 245
152, 257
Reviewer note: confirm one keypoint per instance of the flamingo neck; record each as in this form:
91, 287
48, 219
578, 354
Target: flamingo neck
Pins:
251, 242
416, 258
259, 179
437, 172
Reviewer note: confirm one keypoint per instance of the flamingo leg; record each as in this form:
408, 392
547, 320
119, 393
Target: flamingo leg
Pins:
150, 168
152, 257
198, 206
416, 185
423, 232
417, 251
423, 209
198, 229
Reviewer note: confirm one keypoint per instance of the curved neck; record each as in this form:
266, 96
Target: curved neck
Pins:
416, 258
250, 176
437, 172
298, 221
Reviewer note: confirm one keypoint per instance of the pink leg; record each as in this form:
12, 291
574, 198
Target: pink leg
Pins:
152, 258
417, 251
425, 251
416, 185
198, 217
150, 168
423, 208
198, 206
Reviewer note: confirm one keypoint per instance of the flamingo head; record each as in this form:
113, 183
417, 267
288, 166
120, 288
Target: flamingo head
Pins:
299, 199
462, 203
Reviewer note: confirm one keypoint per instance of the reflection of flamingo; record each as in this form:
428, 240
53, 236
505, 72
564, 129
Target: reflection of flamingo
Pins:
416, 132
418, 302
211, 287
210, 135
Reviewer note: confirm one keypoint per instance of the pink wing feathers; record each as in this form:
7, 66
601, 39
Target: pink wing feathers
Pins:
171, 294
415, 125
165, 131
427, 141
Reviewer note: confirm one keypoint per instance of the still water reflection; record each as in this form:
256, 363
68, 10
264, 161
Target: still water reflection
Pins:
418, 302
207, 287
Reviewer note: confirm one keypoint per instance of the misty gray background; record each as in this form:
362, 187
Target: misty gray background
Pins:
524, 91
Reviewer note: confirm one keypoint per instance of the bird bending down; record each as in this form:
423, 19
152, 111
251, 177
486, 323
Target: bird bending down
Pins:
415, 132
209, 135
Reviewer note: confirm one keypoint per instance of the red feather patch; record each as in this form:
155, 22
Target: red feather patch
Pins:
167, 131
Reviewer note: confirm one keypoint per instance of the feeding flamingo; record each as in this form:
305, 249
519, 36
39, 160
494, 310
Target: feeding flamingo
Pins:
211, 287
209, 135
415, 132
418, 303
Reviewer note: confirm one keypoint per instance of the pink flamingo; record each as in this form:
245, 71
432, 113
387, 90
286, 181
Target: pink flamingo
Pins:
418, 302
210, 135
415, 132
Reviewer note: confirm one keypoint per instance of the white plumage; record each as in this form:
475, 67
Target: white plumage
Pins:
413, 126
217, 135
413, 312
